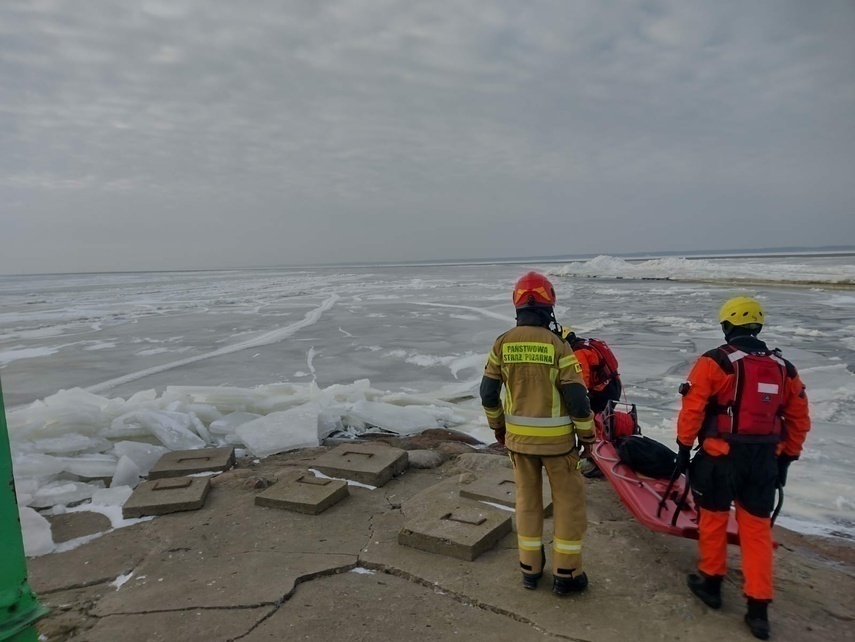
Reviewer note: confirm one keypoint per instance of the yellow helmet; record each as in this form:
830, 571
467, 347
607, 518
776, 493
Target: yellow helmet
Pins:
566, 331
741, 311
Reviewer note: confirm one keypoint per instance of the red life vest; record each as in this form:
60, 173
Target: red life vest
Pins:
751, 411
608, 366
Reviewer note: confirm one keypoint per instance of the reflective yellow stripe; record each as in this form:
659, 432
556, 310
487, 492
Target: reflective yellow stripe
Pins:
509, 400
539, 431
522, 420
584, 426
566, 545
494, 359
494, 413
566, 362
529, 543
556, 394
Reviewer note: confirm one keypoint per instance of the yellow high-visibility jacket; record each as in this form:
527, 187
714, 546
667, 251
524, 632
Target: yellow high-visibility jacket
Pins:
533, 364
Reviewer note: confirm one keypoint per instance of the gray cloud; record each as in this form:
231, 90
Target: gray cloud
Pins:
165, 134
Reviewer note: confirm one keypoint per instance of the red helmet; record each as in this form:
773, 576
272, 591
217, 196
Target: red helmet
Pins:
534, 290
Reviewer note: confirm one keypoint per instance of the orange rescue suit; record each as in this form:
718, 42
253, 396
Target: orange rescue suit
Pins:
746, 473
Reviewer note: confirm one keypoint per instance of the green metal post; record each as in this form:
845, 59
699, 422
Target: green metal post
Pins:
19, 608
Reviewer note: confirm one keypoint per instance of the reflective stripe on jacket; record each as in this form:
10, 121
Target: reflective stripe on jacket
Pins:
533, 363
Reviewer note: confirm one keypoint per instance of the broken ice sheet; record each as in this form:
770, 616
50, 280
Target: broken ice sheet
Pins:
64, 492
89, 466
280, 431
143, 455
127, 473
174, 430
228, 424
36, 530
71, 443
113, 496
404, 420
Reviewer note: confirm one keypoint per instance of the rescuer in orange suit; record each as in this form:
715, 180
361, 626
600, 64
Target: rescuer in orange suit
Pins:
545, 412
599, 369
748, 408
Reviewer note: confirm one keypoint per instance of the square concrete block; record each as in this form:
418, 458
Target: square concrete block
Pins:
301, 491
498, 487
189, 462
161, 496
372, 464
463, 531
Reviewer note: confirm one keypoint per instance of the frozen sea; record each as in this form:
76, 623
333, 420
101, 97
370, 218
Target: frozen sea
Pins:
419, 334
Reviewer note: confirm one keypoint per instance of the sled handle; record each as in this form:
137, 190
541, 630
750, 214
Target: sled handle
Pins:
780, 503
664, 498
682, 500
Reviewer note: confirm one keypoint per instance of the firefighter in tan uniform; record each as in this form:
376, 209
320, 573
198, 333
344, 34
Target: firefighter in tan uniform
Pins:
546, 410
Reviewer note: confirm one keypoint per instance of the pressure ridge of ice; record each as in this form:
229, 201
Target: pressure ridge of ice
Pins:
68, 448
682, 269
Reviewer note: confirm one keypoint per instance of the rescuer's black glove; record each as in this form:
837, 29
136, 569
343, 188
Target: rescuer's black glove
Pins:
684, 457
784, 462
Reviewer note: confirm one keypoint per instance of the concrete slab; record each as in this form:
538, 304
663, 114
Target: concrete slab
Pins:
189, 462
70, 526
384, 607
301, 491
498, 487
162, 496
208, 625
464, 530
373, 464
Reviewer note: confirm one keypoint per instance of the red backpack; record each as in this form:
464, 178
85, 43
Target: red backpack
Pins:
751, 411
608, 368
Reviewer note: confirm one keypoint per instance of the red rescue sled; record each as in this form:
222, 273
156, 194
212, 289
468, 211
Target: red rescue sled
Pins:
661, 505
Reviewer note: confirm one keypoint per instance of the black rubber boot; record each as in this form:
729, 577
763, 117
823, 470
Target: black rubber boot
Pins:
757, 619
707, 588
530, 579
567, 585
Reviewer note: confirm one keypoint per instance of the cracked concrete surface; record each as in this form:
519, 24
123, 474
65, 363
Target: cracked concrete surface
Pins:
236, 571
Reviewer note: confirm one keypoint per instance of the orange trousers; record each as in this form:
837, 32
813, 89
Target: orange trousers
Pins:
569, 514
755, 541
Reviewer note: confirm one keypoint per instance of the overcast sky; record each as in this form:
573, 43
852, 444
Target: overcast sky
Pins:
166, 134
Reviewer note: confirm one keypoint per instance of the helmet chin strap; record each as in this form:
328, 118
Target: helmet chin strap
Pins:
554, 325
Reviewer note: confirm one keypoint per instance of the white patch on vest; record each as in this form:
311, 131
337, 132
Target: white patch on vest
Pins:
768, 388
736, 356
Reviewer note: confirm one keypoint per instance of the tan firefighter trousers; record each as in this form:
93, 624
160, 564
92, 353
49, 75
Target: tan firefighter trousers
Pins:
568, 502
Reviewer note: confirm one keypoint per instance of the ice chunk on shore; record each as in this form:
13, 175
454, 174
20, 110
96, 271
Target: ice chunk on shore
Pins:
113, 496
229, 423
64, 492
280, 431
71, 443
127, 473
36, 530
404, 420
173, 429
89, 466
143, 455
34, 465
25, 489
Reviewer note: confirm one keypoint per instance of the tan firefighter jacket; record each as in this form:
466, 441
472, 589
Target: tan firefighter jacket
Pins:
533, 363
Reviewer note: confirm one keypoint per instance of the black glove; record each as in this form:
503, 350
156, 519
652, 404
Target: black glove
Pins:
684, 457
500, 435
784, 462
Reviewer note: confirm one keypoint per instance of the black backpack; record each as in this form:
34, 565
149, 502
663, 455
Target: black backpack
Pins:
647, 456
